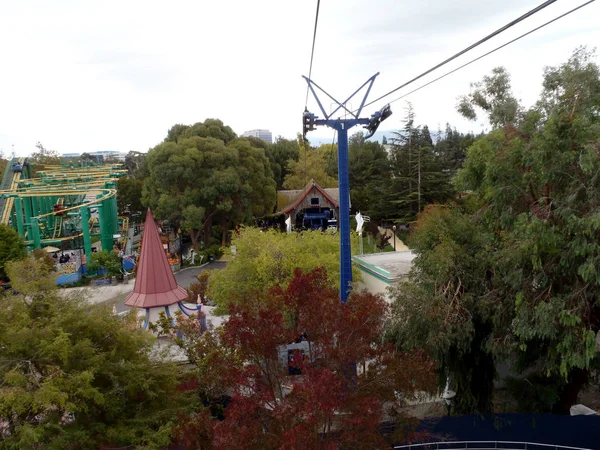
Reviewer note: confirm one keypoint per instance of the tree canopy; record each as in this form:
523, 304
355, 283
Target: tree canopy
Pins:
312, 164
369, 176
12, 247
72, 375
282, 151
418, 175
266, 259
512, 271
330, 392
198, 181
44, 156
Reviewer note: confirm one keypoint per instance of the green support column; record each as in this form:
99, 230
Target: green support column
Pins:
85, 228
35, 232
36, 206
28, 211
105, 234
19, 213
114, 210
28, 215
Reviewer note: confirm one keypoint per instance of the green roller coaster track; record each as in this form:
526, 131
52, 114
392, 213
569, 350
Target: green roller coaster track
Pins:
62, 204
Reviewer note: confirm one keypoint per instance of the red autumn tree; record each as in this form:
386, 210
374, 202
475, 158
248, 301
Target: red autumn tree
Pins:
346, 379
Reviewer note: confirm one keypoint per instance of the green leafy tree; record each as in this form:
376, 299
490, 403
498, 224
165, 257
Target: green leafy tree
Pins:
199, 181
12, 247
311, 165
43, 156
213, 128
105, 260
72, 375
175, 132
369, 176
129, 196
451, 147
446, 301
135, 163
418, 175
538, 182
282, 151
3, 162
520, 262
494, 97
87, 158
265, 259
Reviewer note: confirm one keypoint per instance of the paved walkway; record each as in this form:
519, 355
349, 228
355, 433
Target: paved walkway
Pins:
115, 295
400, 246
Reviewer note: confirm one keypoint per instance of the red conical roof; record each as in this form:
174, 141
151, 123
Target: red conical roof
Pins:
155, 283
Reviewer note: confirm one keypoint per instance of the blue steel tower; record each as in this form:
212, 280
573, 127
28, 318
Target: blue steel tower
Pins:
309, 121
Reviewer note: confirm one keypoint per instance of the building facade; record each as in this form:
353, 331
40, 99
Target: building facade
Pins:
313, 207
380, 271
264, 135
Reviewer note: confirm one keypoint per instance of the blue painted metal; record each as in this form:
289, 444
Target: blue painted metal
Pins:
169, 315
181, 307
342, 126
196, 308
345, 250
145, 324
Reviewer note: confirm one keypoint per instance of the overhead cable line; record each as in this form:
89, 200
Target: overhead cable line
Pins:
471, 47
312, 52
492, 51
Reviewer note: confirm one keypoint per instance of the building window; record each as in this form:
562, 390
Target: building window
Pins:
315, 201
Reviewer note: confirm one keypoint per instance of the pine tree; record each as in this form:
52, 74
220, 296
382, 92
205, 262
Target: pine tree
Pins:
418, 175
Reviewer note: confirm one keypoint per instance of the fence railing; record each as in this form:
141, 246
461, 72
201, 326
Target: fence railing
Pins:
485, 445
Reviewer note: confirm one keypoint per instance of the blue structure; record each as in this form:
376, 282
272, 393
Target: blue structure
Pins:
342, 126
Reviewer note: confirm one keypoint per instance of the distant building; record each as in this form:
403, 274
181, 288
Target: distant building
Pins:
264, 135
100, 155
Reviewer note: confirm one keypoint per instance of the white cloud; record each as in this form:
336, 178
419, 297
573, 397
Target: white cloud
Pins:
85, 76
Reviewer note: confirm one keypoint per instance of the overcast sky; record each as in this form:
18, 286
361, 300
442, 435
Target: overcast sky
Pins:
82, 76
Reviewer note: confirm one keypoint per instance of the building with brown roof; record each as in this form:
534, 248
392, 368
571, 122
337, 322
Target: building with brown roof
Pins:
313, 207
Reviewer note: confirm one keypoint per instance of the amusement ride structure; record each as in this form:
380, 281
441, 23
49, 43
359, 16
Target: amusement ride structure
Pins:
66, 206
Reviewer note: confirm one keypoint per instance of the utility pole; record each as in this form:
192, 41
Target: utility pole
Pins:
342, 126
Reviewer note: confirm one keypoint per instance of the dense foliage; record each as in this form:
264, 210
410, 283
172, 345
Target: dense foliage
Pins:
12, 247
311, 164
74, 376
511, 273
332, 393
265, 259
206, 175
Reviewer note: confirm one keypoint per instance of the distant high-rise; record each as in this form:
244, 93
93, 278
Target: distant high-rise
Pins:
265, 135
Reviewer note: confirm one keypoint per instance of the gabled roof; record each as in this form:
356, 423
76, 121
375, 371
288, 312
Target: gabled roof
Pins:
288, 200
155, 283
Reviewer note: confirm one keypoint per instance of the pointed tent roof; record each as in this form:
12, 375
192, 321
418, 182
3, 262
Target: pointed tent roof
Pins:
155, 283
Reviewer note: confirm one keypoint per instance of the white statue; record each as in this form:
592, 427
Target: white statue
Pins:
359, 223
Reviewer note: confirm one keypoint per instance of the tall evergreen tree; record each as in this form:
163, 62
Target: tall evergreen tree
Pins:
417, 175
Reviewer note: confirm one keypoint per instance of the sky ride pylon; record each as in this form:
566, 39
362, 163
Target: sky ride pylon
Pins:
342, 125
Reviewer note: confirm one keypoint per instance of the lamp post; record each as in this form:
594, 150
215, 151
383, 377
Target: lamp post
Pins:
394, 229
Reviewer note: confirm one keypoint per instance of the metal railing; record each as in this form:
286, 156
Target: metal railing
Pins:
486, 445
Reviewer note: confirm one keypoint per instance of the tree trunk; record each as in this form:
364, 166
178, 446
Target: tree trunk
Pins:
224, 223
207, 230
568, 396
410, 169
419, 184
195, 237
